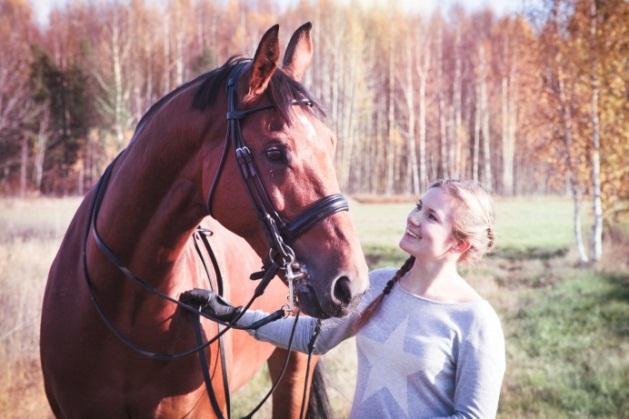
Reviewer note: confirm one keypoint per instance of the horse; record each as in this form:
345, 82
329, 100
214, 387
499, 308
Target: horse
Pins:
140, 222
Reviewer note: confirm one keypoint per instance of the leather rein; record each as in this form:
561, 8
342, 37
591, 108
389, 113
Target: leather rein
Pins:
281, 257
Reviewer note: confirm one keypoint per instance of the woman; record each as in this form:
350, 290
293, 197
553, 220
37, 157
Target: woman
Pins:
428, 344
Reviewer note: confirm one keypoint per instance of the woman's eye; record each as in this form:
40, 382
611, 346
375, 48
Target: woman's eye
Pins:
432, 217
276, 154
418, 206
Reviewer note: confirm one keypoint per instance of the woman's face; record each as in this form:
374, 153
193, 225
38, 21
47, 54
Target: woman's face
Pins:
428, 235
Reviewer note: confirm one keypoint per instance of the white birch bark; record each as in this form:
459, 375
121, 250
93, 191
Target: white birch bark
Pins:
457, 128
575, 190
443, 139
391, 151
596, 243
423, 76
487, 178
411, 161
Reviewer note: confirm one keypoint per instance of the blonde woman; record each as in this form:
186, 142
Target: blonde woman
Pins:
428, 344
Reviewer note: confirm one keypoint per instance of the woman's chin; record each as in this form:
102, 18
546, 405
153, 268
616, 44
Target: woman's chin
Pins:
408, 247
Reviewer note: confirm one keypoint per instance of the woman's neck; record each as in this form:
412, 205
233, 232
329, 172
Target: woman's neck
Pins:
439, 280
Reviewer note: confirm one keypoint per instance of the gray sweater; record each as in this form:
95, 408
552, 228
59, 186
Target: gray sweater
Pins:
417, 358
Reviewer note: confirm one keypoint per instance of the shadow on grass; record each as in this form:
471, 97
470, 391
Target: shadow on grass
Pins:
617, 296
528, 253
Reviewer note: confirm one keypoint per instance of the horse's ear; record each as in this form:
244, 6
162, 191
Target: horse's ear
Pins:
298, 52
264, 63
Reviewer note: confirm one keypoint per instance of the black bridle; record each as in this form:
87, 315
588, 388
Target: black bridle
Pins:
280, 233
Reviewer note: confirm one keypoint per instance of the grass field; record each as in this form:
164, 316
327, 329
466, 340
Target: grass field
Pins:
566, 327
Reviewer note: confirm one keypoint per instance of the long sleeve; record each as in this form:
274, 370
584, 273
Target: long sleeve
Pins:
333, 330
480, 369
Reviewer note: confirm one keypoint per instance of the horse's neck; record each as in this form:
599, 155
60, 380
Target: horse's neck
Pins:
148, 215
158, 190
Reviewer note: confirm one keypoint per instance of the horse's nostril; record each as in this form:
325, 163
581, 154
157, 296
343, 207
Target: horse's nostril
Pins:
342, 291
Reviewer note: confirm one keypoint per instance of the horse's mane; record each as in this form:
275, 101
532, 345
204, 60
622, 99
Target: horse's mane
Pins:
281, 92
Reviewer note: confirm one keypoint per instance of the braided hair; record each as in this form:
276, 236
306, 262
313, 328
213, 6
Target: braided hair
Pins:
372, 308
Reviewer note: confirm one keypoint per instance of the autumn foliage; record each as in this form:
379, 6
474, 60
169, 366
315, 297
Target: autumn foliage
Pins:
411, 98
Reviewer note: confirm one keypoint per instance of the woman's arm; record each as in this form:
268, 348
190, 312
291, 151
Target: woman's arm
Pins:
333, 330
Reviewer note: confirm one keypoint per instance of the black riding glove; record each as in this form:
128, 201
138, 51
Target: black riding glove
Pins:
211, 304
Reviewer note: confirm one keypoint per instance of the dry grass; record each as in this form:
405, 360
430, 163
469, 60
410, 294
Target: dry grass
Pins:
30, 233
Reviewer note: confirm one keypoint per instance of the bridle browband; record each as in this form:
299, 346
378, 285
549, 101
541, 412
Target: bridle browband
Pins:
280, 233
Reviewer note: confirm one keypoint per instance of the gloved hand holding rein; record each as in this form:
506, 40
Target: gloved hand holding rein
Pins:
211, 304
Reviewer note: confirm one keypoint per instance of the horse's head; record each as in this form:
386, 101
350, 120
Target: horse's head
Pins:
292, 151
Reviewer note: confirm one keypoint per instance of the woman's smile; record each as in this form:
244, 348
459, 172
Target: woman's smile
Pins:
412, 234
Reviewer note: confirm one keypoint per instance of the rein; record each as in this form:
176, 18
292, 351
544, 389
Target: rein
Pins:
281, 257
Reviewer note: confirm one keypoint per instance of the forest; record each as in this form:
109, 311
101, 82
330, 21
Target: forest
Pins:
528, 103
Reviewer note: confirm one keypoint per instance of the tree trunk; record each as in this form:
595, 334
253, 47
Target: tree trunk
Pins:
23, 165
116, 56
508, 134
443, 139
40, 152
512, 123
485, 123
572, 175
411, 161
455, 145
597, 206
423, 76
391, 149
476, 145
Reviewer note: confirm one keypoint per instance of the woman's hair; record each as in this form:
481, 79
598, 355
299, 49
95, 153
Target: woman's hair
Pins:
472, 222
473, 219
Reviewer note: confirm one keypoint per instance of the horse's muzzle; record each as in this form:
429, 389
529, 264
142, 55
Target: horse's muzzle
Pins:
337, 303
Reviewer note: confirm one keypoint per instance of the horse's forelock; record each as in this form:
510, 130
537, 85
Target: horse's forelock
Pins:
282, 90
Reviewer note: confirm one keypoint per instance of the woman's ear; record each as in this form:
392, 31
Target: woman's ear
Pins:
461, 246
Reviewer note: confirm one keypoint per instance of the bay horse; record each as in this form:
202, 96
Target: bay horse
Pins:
175, 172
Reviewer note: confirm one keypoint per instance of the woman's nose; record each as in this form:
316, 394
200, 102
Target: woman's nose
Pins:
414, 218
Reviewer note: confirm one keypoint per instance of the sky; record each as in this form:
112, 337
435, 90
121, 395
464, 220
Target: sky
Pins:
42, 7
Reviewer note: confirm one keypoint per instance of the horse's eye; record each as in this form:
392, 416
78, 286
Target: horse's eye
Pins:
276, 154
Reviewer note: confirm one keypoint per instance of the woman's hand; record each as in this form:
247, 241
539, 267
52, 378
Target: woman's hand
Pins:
211, 304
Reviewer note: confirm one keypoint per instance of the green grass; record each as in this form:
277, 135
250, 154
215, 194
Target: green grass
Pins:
568, 349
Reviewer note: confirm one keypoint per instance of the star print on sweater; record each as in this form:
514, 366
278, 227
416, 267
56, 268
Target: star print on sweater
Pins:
381, 366
417, 358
